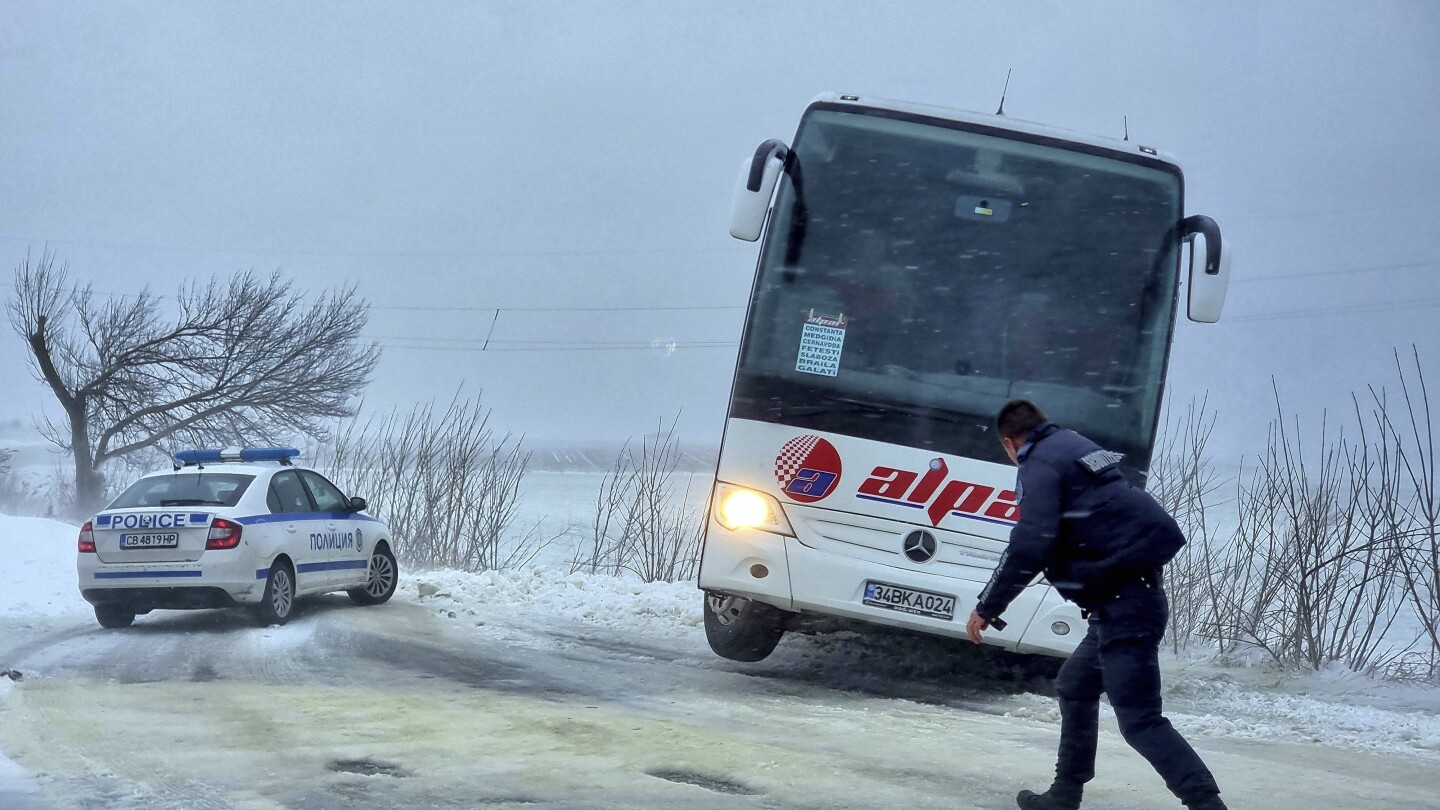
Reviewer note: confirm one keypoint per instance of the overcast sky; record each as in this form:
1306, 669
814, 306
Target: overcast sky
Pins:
564, 160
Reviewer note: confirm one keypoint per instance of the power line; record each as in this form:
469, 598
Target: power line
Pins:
667, 348
1330, 211
373, 307
1342, 310
389, 254
681, 308
1360, 309
480, 342
1343, 272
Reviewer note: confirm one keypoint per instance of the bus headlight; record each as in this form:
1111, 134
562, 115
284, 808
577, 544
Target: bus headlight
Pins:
741, 508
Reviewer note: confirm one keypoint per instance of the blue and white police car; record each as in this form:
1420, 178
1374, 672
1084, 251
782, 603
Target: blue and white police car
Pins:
230, 528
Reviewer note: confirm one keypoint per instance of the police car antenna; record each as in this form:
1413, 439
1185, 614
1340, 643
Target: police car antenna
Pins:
1001, 111
1126, 119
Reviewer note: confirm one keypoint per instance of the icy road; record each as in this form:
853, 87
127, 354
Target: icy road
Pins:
447, 703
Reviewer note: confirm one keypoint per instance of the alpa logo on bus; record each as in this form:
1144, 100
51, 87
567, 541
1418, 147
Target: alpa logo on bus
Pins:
940, 497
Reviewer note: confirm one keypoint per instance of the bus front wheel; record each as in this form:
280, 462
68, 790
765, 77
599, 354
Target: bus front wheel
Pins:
742, 629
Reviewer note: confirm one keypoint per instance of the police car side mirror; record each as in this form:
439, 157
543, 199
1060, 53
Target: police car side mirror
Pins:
357, 504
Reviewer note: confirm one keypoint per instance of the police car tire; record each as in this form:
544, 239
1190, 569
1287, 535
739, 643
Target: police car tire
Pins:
281, 576
113, 617
362, 595
749, 631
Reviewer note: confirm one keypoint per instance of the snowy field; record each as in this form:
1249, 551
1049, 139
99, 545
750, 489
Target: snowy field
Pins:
1334, 709
541, 688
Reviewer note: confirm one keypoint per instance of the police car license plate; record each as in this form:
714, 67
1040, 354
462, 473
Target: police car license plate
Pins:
909, 600
150, 540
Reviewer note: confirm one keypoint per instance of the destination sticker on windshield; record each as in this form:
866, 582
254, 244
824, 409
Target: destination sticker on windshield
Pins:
822, 340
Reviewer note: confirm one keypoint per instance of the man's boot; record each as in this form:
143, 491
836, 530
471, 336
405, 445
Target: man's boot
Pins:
1060, 796
1211, 802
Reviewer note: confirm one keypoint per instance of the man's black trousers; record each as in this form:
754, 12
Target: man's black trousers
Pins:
1119, 658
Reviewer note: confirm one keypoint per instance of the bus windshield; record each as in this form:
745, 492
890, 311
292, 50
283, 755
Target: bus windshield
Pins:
917, 274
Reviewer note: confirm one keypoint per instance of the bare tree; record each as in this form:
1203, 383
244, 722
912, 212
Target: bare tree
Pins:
248, 360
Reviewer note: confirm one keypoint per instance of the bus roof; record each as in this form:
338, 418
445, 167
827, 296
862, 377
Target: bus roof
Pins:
995, 122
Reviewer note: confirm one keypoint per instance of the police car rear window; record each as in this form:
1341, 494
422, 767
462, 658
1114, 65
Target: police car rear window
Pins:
185, 489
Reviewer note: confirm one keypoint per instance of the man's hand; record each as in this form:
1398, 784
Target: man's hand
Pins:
975, 626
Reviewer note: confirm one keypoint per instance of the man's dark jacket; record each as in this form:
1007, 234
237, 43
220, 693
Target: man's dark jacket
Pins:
1081, 522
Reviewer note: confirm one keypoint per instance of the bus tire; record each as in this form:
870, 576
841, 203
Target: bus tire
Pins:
742, 629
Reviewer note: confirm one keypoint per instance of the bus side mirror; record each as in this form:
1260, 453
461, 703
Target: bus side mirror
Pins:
753, 189
1209, 268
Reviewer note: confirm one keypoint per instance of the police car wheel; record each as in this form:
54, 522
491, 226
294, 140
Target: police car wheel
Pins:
383, 579
112, 617
742, 629
279, 597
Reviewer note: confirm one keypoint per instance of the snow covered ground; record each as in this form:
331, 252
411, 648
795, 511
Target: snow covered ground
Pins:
624, 660
42, 552
1335, 709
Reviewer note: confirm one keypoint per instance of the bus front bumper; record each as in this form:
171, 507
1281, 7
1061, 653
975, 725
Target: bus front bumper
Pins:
782, 571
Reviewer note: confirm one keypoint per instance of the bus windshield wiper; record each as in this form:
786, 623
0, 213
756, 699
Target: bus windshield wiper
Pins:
860, 405
891, 409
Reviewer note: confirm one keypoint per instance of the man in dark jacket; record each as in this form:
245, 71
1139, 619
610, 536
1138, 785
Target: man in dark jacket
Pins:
1100, 543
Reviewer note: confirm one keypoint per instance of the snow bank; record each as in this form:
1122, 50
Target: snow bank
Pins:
652, 610
1203, 700
1218, 706
42, 551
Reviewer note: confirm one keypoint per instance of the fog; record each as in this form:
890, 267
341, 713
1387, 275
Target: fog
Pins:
570, 164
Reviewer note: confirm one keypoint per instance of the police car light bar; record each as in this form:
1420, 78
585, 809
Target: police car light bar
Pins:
280, 454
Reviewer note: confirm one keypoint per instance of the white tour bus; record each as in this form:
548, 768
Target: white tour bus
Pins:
919, 268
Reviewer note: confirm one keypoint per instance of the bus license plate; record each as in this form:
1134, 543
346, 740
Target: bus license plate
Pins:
150, 540
909, 600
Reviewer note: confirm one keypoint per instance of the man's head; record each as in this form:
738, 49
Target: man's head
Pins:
1015, 422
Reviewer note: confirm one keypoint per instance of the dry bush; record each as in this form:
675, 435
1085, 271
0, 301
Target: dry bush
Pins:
1183, 480
447, 484
1334, 538
1314, 574
643, 523
1414, 430
16, 496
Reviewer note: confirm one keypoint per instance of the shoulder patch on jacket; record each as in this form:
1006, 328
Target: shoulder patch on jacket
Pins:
1100, 460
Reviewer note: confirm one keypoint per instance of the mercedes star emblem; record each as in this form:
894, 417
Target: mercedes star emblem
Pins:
920, 546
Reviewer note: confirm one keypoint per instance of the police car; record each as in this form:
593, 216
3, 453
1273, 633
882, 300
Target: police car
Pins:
227, 529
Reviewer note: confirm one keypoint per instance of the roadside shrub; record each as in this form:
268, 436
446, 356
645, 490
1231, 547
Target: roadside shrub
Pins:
448, 485
643, 522
1334, 553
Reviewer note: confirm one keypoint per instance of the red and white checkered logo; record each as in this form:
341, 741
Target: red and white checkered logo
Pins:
807, 467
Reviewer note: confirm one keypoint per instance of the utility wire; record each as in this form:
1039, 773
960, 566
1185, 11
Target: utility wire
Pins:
389, 254
683, 308
1343, 272
493, 349
374, 307
1392, 306
1360, 309
1331, 211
